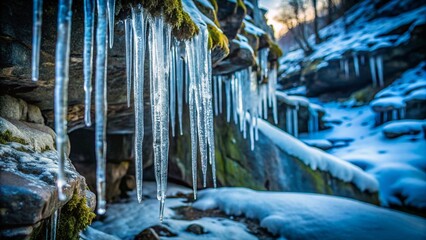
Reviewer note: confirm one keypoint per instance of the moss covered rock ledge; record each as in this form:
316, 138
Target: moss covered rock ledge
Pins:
28, 170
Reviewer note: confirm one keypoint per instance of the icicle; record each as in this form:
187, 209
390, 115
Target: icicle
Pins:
373, 71
160, 42
356, 64
288, 120
101, 103
234, 97
172, 86
379, 64
89, 15
347, 69
37, 21
362, 59
179, 84
228, 99
54, 219
341, 65
215, 95
139, 25
263, 62
61, 89
295, 122
253, 106
220, 93
272, 82
128, 28
111, 18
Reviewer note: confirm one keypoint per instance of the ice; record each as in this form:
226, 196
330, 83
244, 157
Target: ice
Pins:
313, 125
379, 64
180, 84
61, 89
139, 26
373, 70
215, 94
220, 82
37, 21
101, 103
228, 99
172, 85
53, 220
272, 82
128, 32
347, 69
160, 46
313, 216
356, 64
111, 20
262, 61
89, 19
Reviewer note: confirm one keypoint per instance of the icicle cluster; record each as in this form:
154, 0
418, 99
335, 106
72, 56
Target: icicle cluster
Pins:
292, 124
391, 115
313, 122
246, 99
376, 70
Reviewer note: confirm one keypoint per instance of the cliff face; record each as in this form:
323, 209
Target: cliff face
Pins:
375, 39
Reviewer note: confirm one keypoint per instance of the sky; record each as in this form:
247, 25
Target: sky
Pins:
272, 7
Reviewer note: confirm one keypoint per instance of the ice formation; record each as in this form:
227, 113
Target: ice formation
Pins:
177, 70
356, 64
37, 20
89, 19
376, 70
101, 104
346, 68
61, 89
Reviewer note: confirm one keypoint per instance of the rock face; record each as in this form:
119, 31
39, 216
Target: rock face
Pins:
28, 170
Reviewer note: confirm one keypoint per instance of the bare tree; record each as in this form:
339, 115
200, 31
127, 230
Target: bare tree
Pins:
293, 16
317, 36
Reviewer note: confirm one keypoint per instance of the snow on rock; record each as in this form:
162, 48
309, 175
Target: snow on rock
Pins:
313, 216
318, 159
369, 28
319, 143
403, 127
394, 162
383, 104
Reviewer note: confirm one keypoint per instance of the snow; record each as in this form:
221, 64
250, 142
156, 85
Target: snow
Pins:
253, 29
313, 216
368, 31
393, 162
317, 159
126, 219
387, 103
404, 127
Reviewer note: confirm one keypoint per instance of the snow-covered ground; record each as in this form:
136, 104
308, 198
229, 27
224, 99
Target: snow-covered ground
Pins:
126, 219
398, 164
313, 216
285, 215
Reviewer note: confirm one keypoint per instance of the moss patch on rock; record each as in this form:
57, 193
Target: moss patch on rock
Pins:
183, 26
217, 39
7, 136
275, 51
241, 5
74, 217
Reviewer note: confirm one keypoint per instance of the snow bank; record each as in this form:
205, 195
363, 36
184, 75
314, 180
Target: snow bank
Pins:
313, 216
318, 159
388, 103
403, 127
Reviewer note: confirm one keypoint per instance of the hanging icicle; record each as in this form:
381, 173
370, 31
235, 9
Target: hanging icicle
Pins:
61, 89
37, 21
139, 25
160, 59
379, 64
89, 19
347, 69
111, 22
180, 82
373, 70
128, 33
101, 104
356, 64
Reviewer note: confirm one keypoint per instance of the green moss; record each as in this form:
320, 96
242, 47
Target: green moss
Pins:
75, 216
311, 67
183, 26
45, 148
217, 39
215, 6
7, 136
275, 50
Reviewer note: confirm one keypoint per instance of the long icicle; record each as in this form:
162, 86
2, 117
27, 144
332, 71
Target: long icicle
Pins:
37, 21
373, 70
179, 86
89, 15
101, 104
111, 22
128, 29
139, 29
61, 89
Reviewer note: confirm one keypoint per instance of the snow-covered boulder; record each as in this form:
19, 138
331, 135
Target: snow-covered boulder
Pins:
403, 127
